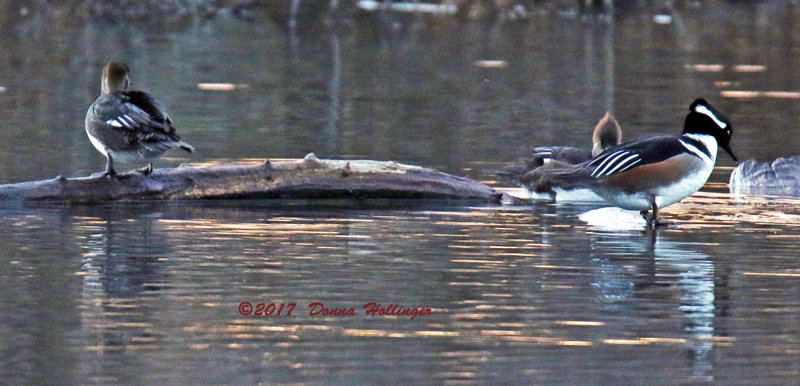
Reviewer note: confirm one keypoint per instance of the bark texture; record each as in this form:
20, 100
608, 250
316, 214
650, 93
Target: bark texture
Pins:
302, 179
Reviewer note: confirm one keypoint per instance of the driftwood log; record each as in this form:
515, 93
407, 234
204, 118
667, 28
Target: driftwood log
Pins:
292, 179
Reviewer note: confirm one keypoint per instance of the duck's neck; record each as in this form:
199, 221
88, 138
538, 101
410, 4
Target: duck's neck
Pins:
701, 145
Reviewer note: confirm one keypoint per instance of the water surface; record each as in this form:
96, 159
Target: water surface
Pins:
150, 292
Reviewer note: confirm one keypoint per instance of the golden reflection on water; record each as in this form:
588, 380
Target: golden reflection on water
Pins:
706, 210
527, 278
519, 294
774, 274
578, 323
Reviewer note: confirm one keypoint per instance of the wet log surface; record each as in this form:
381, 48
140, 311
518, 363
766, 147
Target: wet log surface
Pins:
309, 178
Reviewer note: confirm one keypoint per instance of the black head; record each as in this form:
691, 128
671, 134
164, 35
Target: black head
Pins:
705, 119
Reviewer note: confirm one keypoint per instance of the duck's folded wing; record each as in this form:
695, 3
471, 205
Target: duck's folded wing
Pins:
635, 154
611, 162
150, 109
140, 117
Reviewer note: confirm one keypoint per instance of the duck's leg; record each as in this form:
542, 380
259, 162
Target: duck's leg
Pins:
552, 194
147, 169
109, 166
652, 222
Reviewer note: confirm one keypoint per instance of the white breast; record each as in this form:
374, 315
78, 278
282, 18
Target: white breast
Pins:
97, 144
670, 194
690, 184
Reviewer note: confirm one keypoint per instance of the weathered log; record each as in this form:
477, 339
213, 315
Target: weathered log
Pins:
293, 179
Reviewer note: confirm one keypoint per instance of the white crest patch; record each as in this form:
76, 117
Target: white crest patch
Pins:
707, 112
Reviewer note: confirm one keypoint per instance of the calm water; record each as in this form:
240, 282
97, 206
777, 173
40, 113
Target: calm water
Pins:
150, 292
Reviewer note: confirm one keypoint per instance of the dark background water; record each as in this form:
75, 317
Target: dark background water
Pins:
148, 292
405, 89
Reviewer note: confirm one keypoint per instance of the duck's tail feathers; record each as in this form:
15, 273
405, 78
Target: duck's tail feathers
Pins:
537, 157
557, 175
513, 172
185, 146
565, 154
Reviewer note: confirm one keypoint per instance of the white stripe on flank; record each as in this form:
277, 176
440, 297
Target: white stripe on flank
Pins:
630, 165
706, 111
605, 160
610, 163
114, 122
621, 164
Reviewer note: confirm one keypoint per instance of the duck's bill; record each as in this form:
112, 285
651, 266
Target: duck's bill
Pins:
727, 149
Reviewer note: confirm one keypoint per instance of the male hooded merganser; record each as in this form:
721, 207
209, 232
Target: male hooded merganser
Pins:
651, 173
129, 125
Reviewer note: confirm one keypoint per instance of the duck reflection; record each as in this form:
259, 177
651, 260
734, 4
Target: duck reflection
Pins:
662, 264
695, 273
123, 255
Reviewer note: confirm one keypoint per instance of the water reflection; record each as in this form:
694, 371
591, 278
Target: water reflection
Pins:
124, 255
697, 302
123, 265
631, 264
515, 292
392, 87
37, 298
147, 293
331, 136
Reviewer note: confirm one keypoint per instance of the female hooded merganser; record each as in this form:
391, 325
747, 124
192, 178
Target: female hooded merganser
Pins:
606, 133
129, 125
651, 173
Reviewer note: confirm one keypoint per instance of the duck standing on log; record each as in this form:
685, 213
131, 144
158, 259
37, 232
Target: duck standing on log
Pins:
128, 125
